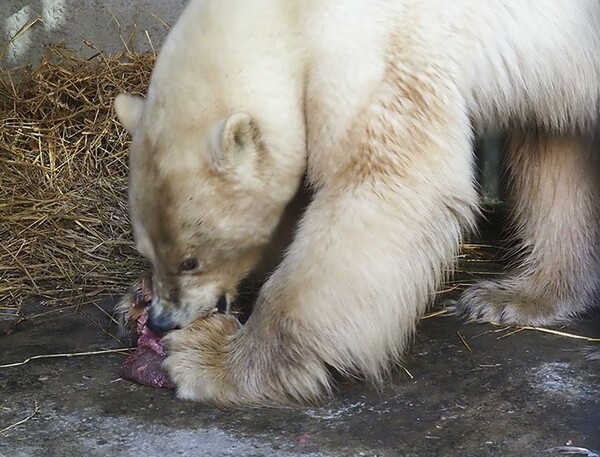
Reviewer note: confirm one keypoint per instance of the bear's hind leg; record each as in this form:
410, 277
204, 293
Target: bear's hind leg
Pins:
556, 201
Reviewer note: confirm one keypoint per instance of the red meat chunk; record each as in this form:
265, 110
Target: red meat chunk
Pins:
144, 365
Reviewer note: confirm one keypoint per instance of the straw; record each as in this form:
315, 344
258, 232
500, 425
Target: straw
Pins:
63, 160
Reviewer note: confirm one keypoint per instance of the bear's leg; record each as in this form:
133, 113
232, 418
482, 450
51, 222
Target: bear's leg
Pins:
373, 245
556, 203
346, 296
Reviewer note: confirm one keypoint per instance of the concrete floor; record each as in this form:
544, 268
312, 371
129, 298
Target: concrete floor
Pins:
516, 396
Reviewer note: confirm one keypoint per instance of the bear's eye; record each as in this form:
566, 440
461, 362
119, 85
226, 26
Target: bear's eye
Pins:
189, 264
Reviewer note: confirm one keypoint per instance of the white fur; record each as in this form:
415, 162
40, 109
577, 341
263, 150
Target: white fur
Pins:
376, 100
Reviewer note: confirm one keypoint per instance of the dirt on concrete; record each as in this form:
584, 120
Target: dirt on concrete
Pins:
520, 395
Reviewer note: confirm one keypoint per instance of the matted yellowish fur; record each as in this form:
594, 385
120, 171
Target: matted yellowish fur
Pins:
376, 103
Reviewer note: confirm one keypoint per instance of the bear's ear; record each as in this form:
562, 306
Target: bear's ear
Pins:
234, 139
129, 111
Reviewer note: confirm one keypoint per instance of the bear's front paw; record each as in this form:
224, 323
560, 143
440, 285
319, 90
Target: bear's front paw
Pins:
196, 360
507, 301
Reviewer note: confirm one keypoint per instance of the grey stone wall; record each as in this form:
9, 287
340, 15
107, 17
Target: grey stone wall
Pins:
27, 25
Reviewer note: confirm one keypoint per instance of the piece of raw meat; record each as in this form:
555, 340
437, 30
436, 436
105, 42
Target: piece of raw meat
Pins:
144, 365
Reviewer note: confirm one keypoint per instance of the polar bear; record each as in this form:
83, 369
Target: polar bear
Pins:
376, 103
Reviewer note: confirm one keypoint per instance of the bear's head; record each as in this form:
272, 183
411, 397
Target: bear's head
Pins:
204, 199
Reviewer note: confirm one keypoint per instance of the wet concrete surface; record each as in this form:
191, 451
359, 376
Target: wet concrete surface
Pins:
512, 394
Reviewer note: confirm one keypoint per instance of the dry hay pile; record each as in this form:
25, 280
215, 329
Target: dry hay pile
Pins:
64, 230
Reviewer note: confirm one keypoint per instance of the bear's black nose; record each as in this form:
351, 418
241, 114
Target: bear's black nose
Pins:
222, 304
160, 323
